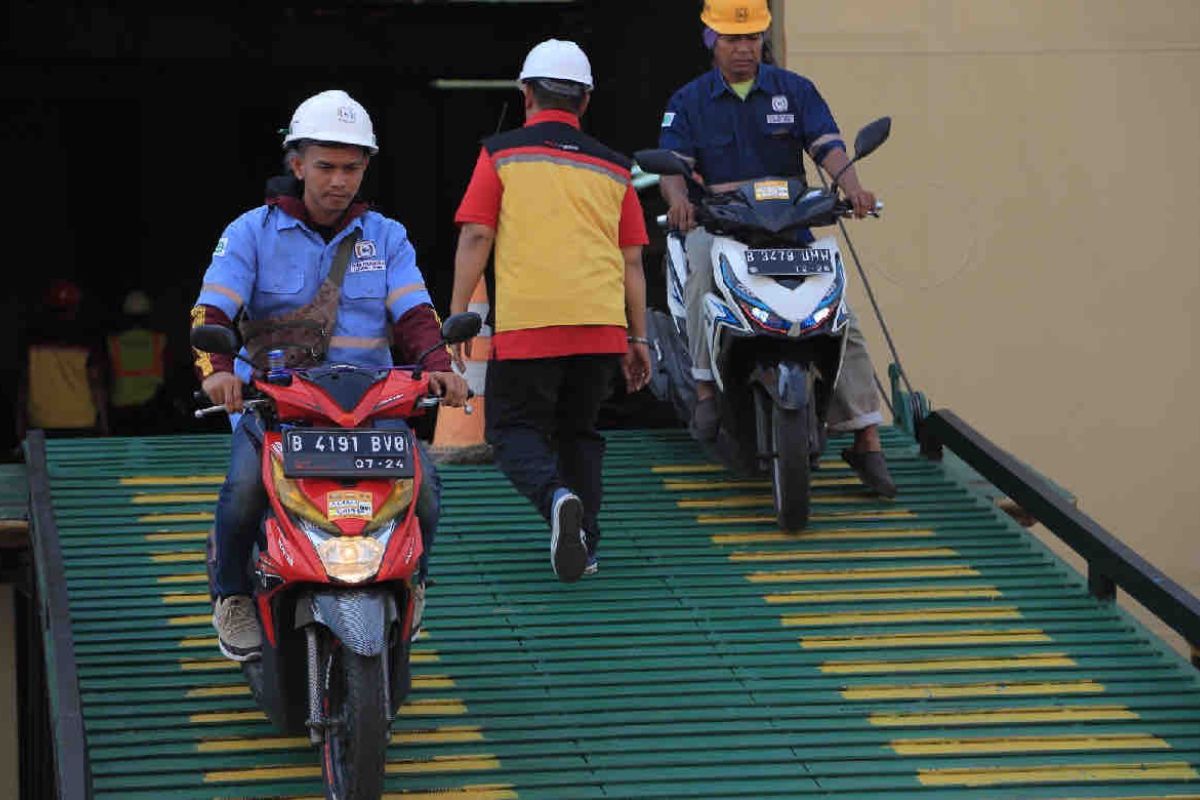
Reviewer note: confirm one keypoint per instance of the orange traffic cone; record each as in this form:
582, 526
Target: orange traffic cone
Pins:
458, 437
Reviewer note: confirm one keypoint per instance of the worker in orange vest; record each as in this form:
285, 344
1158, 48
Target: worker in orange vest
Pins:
136, 355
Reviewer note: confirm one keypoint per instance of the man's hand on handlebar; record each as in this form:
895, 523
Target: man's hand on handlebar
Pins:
224, 389
681, 215
450, 386
862, 200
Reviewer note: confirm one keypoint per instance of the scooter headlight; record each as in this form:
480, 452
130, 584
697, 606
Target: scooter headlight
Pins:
751, 306
351, 559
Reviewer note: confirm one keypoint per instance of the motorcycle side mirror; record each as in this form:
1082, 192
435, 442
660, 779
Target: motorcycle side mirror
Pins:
871, 137
664, 162
215, 339
460, 327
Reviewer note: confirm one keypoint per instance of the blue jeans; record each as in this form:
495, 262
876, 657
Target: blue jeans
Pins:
242, 503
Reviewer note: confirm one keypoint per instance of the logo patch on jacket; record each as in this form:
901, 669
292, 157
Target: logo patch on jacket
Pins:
364, 249
668, 119
779, 102
222, 243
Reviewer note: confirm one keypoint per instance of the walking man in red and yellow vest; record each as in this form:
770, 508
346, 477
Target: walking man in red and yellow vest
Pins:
570, 302
136, 356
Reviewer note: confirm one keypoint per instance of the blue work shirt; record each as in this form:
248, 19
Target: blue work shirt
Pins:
270, 263
762, 136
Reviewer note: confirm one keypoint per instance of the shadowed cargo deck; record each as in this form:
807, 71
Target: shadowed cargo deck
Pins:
926, 647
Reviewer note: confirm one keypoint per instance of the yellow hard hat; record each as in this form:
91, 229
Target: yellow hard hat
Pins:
736, 16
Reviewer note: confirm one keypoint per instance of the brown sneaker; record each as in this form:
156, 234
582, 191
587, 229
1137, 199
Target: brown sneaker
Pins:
238, 633
872, 470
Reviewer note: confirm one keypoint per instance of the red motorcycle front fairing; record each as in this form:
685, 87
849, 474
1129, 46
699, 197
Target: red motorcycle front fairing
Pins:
394, 396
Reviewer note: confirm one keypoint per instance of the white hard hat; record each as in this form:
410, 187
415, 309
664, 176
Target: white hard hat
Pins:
557, 60
136, 303
332, 116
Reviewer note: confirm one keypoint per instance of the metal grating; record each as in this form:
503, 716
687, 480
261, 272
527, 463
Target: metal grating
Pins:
921, 648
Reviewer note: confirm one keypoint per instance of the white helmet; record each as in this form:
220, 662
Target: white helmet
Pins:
137, 303
557, 60
332, 116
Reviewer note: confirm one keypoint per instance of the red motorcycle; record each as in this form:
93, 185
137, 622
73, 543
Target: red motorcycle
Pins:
338, 549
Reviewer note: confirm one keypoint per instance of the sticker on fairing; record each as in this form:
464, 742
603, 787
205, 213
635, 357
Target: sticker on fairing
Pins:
668, 119
350, 505
771, 190
222, 243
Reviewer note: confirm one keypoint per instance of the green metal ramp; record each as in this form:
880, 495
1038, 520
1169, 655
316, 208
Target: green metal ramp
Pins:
923, 648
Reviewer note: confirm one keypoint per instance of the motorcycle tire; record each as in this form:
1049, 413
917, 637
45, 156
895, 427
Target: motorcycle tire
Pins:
790, 467
354, 754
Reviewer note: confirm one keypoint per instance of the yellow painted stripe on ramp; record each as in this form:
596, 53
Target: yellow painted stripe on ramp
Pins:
1028, 744
480, 791
866, 595
206, 664
184, 599
1058, 773
675, 469
262, 774
937, 691
837, 535
898, 617
1031, 661
198, 641
191, 577
253, 745
432, 682
702, 485
176, 558
1127, 797
235, 690
466, 762
752, 500
217, 717
191, 619
446, 734
172, 480
192, 536
991, 716
433, 708
822, 516
977, 636
173, 497
191, 516
424, 657
862, 574
744, 556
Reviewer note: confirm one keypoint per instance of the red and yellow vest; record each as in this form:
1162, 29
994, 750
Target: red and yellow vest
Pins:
137, 366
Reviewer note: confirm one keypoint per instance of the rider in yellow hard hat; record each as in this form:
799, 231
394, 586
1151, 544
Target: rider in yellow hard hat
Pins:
745, 120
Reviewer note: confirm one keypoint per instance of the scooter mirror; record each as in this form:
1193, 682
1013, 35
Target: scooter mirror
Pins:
871, 136
460, 327
664, 162
214, 339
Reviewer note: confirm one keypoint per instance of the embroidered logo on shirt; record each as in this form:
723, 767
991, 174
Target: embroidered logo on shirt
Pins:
779, 102
222, 243
364, 249
367, 265
668, 119
780, 119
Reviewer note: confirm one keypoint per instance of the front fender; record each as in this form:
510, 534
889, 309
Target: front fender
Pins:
785, 383
360, 618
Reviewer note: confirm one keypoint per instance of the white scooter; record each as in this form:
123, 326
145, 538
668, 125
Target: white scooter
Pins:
777, 325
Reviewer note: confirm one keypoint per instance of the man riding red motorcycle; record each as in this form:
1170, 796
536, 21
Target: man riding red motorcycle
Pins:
318, 275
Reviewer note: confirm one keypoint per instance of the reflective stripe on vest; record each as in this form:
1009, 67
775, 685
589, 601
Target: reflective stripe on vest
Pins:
137, 366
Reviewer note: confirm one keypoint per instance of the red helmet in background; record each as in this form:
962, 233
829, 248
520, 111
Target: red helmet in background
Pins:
62, 295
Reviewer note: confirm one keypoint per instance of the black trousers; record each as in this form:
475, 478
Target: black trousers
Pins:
540, 418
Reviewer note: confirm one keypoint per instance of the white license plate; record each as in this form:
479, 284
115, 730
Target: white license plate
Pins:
789, 261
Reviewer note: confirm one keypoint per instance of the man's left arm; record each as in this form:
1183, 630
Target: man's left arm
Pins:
632, 237
824, 143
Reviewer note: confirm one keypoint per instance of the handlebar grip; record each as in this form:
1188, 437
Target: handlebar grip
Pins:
201, 413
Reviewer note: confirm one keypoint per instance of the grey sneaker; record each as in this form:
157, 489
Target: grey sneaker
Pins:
418, 610
706, 420
238, 632
568, 549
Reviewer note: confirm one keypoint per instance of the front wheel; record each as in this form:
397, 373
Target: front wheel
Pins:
790, 466
354, 754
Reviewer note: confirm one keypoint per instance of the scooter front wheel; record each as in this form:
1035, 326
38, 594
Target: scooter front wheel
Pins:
790, 466
354, 753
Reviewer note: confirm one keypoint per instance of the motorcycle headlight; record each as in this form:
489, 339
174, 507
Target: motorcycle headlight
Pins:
351, 559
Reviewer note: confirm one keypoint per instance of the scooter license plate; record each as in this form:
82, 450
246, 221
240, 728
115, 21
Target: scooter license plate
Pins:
789, 261
340, 453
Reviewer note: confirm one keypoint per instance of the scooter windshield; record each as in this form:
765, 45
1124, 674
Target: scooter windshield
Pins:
344, 383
